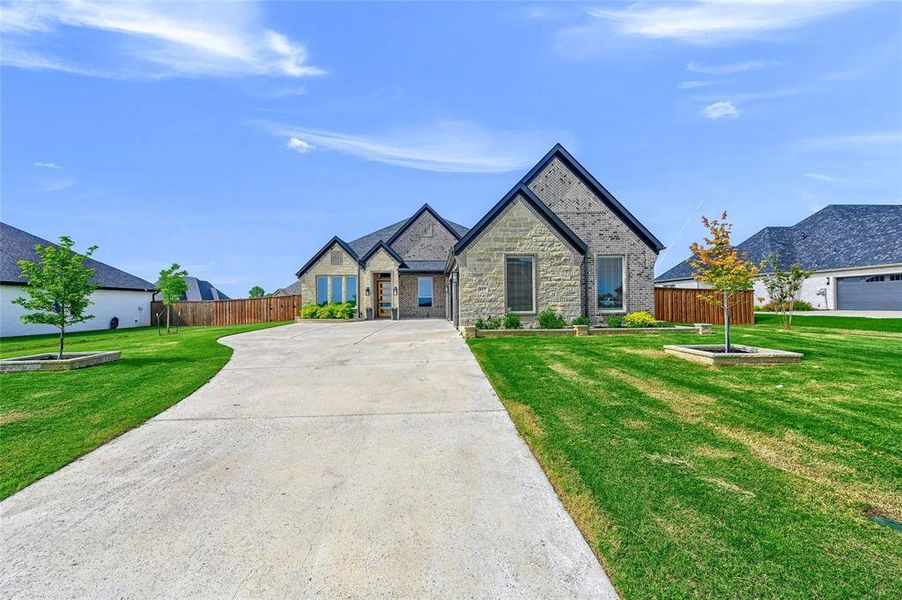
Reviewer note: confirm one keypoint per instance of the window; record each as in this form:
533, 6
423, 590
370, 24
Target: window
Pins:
336, 257
874, 279
428, 230
520, 284
336, 288
322, 289
351, 283
895, 277
610, 283
424, 291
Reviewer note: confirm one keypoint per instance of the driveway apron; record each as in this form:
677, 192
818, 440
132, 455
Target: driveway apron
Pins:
334, 460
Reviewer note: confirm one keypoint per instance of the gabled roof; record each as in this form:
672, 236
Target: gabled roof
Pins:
388, 249
536, 203
201, 289
16, 244
599, 190
335, 240
365, 243
293, 289
415, 216
840, 236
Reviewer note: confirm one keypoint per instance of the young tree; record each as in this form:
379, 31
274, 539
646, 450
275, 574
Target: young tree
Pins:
718, 265
256, 292
58, 287
783, 287
172, 286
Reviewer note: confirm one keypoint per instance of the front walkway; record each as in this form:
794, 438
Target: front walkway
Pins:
326, 460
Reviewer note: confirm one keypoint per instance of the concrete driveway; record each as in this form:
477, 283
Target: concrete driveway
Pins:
325, 461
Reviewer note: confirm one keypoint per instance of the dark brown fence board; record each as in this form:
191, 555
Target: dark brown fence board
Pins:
231, 312
683, 305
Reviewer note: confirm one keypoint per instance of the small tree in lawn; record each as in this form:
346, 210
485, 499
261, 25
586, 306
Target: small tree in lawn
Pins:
58, 287
256, 292
718, 265
172, 286
783, 287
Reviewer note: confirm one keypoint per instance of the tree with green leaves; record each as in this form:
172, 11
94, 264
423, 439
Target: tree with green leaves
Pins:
59, 287
783, 287
256, 292
720, 267
172, 286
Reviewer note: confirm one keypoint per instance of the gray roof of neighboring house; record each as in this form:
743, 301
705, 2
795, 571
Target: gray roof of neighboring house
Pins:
839, 236
16, 244
289, 290
199, 289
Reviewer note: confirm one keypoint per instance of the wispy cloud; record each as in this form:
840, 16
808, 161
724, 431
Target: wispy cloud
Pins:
695, 84
720, 110
445, 146
56, 186
823, 177
712, 21
47, 165
149, 39
732, 68
879, 140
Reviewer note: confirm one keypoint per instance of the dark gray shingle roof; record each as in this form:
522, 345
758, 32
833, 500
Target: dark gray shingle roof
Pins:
836, 237
289, 290
200, 289
424, 266
16, 245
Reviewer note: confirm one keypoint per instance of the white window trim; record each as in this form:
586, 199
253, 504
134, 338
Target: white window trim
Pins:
622, 309
431, 292
535, 285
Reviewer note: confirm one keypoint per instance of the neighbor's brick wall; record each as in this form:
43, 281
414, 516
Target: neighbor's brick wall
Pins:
518, 230
605, 234
409, 299
324, 266
415, 244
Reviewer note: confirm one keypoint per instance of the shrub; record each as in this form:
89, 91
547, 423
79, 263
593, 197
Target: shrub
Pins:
309, 311
548, 319
343, 311
615, 321
333, 310
777, 307
639, 318
663, 324
479, 324
493, 323
512, 321
581, 321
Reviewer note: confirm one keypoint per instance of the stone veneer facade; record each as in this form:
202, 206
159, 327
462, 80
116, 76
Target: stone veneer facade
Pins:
324, 266
518, 231
603, 232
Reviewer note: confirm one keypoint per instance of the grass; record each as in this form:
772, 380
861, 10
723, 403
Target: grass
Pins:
742, 482
856, 323
49, 419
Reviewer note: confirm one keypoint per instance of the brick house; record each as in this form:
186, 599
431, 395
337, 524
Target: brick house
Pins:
558, 239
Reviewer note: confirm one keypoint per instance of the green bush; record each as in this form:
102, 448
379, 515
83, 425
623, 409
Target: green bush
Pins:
663, 324
548, 319
615, 321
512, 321
639, 318
479, 324
775, 306
334, 310
309, 311
493, 323
581, 321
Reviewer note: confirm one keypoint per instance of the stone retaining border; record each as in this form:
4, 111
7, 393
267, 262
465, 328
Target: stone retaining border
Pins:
71, 360
752, 355
469, 332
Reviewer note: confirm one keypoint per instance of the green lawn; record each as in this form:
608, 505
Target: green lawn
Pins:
49, 419
749, 482
859, 323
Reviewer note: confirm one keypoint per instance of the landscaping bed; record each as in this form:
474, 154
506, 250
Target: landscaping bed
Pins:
727, 483
49, 419
50, 361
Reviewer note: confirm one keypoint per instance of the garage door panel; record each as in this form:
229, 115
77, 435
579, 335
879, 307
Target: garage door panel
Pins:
875, 292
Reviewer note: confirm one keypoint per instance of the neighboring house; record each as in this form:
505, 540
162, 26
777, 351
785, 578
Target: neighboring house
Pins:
556, 240
120, 294
855, 249
199, 289
291, 290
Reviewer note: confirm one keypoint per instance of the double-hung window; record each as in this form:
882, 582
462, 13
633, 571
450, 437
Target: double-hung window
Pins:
322, 289
424, 291
351, 284
520, 284
610, 283
336, 288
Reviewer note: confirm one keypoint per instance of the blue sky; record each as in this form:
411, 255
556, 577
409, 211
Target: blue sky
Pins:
237, 138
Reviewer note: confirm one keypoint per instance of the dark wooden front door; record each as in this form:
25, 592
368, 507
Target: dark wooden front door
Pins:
383, 298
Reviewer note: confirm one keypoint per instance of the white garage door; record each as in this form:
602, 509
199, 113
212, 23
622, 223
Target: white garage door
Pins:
877, 292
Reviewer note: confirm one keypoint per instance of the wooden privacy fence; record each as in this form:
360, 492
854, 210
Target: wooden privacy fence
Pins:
682, 305
229, 312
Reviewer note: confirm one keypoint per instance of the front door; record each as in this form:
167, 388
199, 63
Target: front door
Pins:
383, 298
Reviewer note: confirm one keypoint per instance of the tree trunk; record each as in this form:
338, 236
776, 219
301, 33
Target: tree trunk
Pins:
62, 337
726, 322
168, 310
